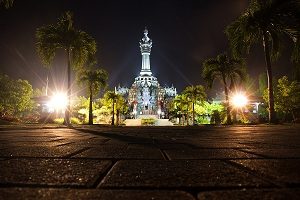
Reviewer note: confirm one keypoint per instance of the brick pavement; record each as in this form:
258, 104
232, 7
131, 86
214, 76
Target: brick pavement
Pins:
97, 162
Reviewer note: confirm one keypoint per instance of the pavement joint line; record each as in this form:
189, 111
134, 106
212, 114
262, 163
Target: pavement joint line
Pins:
59, 145
165, 155
36, 185
117, 159
100, 179
254, 153
57, 140
255, 174
189, 189
76, 152
33, 157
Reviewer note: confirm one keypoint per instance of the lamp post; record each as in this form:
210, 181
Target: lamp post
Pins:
239, 100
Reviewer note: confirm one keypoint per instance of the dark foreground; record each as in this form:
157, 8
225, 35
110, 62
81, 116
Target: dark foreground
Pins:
150, 163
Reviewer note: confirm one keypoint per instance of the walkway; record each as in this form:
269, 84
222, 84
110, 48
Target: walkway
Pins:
150, 163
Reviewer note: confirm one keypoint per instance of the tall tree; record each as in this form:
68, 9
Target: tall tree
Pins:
286, 98
15, 97
7, 3
121, 107
195, 94
76, 43
181, 104
112, 97
95, 80
226, 69
265, 21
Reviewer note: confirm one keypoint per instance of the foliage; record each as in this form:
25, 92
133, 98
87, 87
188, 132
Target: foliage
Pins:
194, 94
209, 110
77, 44
74, 120
224, 68
103, 115
63, 35
215, 117
15, 97
266, 22
58, 120
275, 17
228, 70
180, 107
6, 3
80, 109
115, 102
95, 80
287, 98
147, 121
39, 92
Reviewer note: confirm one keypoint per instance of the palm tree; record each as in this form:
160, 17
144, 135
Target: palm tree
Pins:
195, 94
7, 3
265, 22
121, 107
181, 104
76, 43
227, 70
112, 96
95, 79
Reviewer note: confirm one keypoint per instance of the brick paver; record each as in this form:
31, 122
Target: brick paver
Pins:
102, 162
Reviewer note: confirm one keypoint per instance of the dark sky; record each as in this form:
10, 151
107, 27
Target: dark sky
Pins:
184, 33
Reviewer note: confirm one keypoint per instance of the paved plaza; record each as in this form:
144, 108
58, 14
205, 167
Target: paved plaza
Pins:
98, 162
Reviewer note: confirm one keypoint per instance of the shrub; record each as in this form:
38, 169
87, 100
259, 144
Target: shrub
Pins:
58, 120
75, 120
148, 122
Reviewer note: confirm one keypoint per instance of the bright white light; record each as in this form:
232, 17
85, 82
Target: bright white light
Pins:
239, 100
58, 102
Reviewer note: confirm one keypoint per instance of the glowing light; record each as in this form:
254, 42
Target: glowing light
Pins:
58, 102
239, 100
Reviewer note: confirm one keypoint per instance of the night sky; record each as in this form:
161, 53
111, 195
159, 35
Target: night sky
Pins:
184, 34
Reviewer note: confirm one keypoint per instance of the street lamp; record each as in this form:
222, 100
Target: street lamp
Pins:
58, 102
239, 100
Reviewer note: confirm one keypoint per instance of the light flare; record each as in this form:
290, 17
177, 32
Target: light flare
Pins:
239, 100
58, 102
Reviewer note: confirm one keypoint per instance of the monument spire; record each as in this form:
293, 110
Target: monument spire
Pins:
145, 45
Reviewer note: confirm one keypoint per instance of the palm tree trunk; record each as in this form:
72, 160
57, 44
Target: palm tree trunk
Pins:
272, 115
113, 113
234, 110
187, 116
193, 113
68, 109
118, 117
91, 106
227, 102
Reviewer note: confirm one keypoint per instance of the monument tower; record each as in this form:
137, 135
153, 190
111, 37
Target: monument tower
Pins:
145, 45
146, 98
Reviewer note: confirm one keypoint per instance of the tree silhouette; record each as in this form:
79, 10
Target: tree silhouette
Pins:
194, 94
265, 21
227, 70
95, 80
76, 43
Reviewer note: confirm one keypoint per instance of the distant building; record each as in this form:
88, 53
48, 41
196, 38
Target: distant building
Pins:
146, 97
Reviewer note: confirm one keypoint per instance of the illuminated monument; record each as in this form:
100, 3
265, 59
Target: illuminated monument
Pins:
146, 97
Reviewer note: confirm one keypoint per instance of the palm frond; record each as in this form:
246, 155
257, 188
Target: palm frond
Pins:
7, 3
